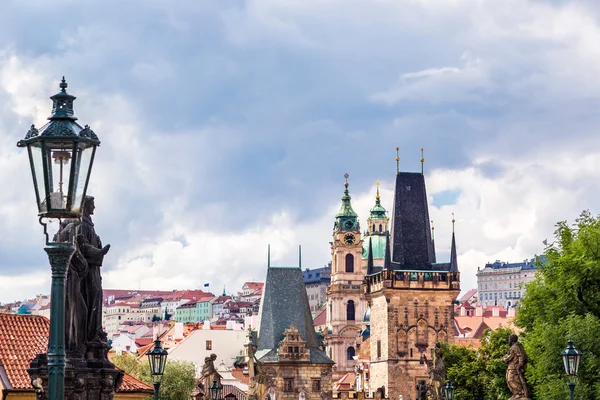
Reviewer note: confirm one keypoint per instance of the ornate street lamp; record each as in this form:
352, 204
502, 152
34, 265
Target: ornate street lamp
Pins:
157, 357
216, 390
449, 391
61, 154
571, 358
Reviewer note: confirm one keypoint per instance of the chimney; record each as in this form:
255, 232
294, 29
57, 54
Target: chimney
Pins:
511, 312
178, 331
463, 311
496, 311
479, 311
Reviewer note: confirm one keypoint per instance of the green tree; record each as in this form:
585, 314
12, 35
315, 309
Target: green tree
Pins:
479, 374
563, 301
178, 381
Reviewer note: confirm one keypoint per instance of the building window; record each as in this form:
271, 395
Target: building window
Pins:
350, 353
288, 384
379, 349
380, 228
350, 310
316, 385
349, 263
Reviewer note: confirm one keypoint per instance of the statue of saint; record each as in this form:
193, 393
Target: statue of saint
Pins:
437, 375
210, 375
516, 358
257, 387
90, 248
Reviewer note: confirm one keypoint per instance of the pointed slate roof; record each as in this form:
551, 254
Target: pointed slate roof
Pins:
284, 303
453, 257
412, 247
370, 270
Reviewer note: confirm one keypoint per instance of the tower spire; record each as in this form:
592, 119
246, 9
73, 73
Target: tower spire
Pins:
398, 160
346, 219
300, 256
453, 256
388, 256
370, 270
422, 161
268, 256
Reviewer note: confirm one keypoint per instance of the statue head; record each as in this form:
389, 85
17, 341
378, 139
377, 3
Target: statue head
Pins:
213, 357
88, 205
513, 339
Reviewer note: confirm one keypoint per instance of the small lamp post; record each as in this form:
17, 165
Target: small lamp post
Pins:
449, 391
157, 357
216, 390
571, 357
61, 154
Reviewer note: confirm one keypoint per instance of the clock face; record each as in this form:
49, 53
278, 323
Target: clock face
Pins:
348, 225
349, 238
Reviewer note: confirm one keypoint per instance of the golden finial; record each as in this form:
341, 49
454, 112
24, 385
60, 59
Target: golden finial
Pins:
397, 159
346, 176
422, 160
377, 184
432, 230
453, 221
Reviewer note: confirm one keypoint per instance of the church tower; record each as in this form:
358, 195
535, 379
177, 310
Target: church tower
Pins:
345, 300
376, 234
411, 298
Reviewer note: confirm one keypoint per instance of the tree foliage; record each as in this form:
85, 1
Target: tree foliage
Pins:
563, 301
178, 381
479, 374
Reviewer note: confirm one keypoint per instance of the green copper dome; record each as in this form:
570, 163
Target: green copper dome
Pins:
346, 219
378, 246
378, 212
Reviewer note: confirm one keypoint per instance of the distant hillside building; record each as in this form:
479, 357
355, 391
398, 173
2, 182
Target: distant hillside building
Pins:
316, 281
503, 284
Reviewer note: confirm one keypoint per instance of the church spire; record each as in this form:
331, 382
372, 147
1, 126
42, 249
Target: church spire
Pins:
453, 256
370, 270
378, 219
346, 219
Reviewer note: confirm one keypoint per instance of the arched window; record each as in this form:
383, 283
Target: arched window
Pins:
373, 227
350, 310
350, 353
349, 263
380, 228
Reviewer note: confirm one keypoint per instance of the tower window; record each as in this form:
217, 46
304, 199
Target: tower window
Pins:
379, 349
350, 353
350, 311
373, 227
349, 263
288, 384
380, 228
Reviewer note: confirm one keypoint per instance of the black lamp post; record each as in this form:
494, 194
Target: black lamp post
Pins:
571, 358
61, 154
216, 390
157, 357
449, 391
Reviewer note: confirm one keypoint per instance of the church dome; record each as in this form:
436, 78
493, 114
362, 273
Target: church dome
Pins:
367, 315
378, 245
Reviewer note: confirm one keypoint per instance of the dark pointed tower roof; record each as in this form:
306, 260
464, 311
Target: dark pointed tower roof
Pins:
284, 303
412, 247
388, 259
370, 269
453, 256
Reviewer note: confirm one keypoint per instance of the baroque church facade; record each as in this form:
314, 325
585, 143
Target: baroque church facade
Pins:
392, 278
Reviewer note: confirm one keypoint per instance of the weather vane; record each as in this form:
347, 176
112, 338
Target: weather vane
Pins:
346, 176
453, 221
397, 159
422, 160
377, 184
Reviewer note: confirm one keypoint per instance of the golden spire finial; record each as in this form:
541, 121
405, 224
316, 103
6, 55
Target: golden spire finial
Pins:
397, 159
422, 160
432, 231
346, 176
453, 221
377, 184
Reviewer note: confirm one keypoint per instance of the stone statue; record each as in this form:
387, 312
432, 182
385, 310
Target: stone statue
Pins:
516, 358
210, 375
90, 248
437, 375
83, 297
257, 387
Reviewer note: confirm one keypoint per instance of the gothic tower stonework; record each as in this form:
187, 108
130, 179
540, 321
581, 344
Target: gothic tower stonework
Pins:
345, 300
410, 298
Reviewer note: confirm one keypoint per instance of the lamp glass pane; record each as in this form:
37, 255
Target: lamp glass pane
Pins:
566, 364
85, 153
59, 155
35, 154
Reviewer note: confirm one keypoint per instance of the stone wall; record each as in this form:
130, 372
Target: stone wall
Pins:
303, 376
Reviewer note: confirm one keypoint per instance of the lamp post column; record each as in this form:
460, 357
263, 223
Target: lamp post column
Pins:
572, 390
60, 255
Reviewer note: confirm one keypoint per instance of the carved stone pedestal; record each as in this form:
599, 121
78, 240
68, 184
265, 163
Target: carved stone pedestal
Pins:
84, 379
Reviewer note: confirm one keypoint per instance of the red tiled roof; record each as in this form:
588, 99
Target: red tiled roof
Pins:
238, 373
22, 337
237, 392
143, 341
321, 318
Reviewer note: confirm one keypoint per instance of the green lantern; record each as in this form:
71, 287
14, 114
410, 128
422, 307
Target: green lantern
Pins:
61, 154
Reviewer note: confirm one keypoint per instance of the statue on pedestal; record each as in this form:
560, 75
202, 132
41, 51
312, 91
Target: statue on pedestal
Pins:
210, 375
257, 387
433, 389
516, 358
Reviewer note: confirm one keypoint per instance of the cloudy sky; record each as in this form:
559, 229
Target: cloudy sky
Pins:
226, 126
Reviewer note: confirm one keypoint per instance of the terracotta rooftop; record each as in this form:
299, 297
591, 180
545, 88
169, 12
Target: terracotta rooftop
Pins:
238, 373
22, 337
321, 318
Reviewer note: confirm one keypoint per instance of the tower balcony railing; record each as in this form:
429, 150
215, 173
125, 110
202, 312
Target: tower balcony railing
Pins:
410, 279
